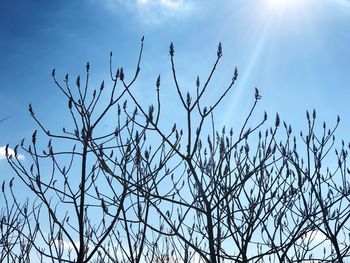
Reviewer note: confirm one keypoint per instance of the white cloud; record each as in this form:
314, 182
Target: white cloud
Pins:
66, 244
153, 11
315, 236
10, 152
172, 4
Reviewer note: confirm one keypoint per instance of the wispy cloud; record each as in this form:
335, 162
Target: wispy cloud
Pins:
153, 11
10, 153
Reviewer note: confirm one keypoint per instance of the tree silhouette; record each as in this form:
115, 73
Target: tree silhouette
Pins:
140, 192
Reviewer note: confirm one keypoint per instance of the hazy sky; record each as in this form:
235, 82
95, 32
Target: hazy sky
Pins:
297, 52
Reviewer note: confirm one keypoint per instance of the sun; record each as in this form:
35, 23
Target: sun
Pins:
277, 3
285, 7
283, 4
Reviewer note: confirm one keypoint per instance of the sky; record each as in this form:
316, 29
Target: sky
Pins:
296, 52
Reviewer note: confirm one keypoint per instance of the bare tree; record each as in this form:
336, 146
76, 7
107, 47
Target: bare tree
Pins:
139, 192
16, 235
323, 189
83, 186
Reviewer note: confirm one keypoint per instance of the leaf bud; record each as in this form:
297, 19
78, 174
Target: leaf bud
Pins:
277, 121
171, 49
219, 51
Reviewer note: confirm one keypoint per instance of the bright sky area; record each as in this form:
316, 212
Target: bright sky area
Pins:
297, 52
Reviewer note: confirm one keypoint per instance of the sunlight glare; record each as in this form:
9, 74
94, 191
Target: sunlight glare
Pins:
289, 11
276, 3
279, 5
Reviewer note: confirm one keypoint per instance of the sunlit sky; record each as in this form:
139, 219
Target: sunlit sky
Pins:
297, 52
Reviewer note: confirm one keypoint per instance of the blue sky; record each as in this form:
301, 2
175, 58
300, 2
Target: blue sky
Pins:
296, 52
